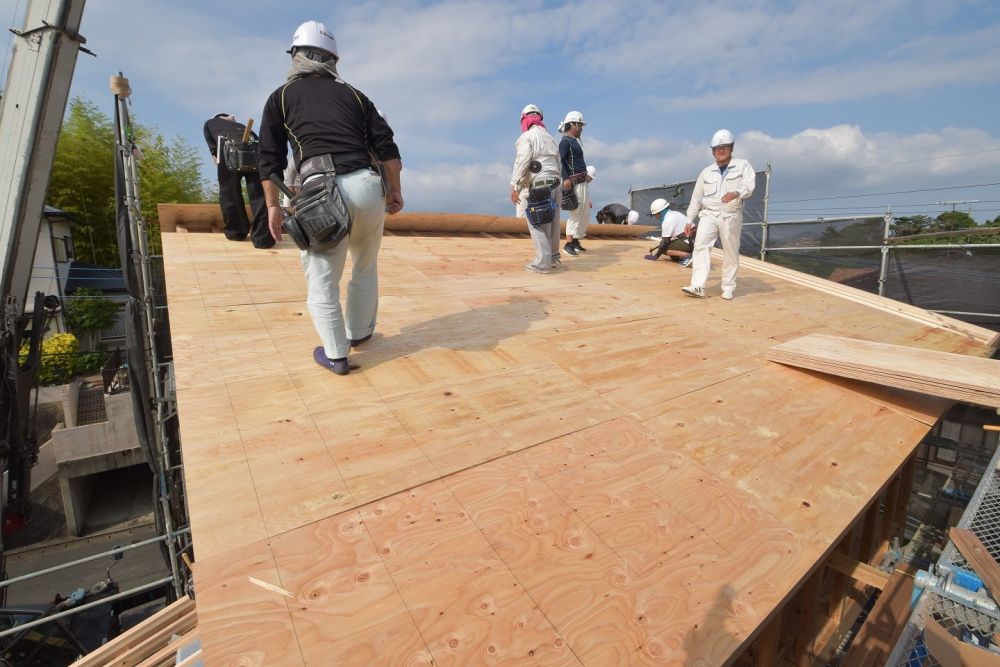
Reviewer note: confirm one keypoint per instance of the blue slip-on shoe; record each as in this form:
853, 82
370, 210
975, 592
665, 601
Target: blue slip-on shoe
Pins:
355, 342
338, 366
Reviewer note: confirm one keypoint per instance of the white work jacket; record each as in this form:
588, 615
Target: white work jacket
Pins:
535, 144
711, 186
673, 225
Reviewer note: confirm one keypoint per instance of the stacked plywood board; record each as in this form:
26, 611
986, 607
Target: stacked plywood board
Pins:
158, 641
959, 377
584, 467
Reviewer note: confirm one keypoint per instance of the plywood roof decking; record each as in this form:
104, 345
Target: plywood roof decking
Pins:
577, 468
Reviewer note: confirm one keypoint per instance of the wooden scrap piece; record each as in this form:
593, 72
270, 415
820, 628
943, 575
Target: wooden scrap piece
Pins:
955, 376
978, 557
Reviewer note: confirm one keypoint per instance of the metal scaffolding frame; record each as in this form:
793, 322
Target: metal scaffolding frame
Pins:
982, 517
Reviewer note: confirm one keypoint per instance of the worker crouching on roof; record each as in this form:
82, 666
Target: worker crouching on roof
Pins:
676, 239
616, 214
717, 205
334, 131
536, 146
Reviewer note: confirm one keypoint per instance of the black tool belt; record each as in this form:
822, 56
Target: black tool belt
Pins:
330, 162
240, 156
319, 217
541, 206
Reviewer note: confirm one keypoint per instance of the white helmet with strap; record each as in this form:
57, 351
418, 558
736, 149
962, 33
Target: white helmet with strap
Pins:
723, 138
314, 34
658, 206
571, 117
531, 108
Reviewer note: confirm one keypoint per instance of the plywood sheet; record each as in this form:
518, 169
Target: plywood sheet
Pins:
955, 376
583, 467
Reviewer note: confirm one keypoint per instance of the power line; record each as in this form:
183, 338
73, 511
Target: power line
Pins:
883, 194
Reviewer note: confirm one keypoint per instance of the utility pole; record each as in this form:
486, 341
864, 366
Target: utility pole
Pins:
31, 114
953, 204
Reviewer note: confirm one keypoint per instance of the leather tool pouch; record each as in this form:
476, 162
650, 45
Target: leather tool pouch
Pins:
320, 219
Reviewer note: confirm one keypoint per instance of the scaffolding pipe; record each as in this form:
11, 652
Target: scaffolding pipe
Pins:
137, 230
828, 247
17, 629
765, 223
87, 559
883, 272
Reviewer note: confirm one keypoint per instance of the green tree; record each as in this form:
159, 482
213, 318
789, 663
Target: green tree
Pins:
83, 179
952, 220
88, 313
912, 224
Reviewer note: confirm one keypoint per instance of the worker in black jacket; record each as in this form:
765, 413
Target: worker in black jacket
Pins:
234, 213
330, 126
616, 214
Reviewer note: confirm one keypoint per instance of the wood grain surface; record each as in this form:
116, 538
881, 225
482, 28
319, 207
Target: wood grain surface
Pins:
584, 467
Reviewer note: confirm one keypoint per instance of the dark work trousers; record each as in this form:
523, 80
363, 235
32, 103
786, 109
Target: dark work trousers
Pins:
234, 213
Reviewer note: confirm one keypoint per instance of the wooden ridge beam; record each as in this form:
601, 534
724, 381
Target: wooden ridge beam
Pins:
208, 218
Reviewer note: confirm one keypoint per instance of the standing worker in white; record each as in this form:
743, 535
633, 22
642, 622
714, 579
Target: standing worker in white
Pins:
575, 177
336, 134
717, 206
535, 144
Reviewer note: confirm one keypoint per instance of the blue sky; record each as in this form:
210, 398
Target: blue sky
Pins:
841, 97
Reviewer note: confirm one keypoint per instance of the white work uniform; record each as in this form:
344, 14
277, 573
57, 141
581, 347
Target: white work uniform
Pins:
537, 144
673, 224
718, 220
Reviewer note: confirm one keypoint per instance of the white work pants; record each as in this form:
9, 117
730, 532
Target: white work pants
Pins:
362, 192
544, 238
579, 219
712, 226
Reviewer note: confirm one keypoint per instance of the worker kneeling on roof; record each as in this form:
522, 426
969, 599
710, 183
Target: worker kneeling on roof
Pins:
676, 240
338, 140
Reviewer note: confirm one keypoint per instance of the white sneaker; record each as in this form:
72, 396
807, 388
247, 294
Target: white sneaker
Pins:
727, 295
696, 292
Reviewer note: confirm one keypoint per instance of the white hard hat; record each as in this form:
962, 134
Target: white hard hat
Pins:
314, 34
592, 171
571, 117
658, 206
531, 108
723, 138
633, 217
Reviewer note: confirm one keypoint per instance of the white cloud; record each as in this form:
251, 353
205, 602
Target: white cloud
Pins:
451, 77
819, 162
